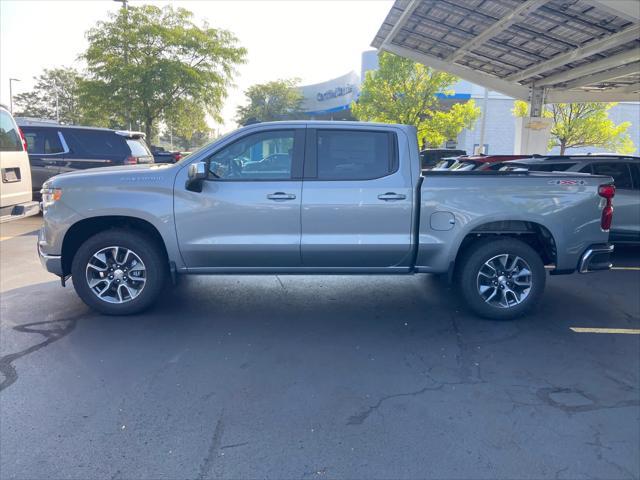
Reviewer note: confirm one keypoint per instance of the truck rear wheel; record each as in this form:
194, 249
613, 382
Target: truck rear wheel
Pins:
119, 272
501, 278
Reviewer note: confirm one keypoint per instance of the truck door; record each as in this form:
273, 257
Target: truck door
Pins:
356, 199
248, 213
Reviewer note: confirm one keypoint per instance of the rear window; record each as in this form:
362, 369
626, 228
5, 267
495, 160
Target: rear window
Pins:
354, 155
9, 137
99, 142
138, 147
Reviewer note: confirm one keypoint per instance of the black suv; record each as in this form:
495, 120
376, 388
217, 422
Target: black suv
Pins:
54, 148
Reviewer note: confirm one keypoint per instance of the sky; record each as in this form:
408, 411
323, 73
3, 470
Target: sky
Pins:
314, 40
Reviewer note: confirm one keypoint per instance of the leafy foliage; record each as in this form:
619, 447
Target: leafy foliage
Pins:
276, 100
63, 83
143, 61
583, 125
403, 91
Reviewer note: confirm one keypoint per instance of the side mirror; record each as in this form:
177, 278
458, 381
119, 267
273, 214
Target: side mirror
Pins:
197, 173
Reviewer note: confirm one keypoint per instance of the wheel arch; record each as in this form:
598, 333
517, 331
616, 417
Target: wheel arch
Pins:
536, 235
82, 230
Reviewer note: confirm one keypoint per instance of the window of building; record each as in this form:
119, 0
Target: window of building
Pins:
354, 155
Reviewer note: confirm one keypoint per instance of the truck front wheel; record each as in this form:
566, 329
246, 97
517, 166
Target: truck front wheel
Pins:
501, 278
119, 272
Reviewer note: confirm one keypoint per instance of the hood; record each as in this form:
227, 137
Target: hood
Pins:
121, 174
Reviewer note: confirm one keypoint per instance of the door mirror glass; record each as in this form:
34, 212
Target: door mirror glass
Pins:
196, 174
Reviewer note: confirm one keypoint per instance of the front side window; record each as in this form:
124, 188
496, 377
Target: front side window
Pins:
42, 141
260, 156
9, 137
618, 170
354, 155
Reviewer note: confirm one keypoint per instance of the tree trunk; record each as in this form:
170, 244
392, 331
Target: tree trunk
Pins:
563, 147
148, 129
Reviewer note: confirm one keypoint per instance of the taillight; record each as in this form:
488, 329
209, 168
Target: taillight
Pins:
177, 156
131, 161
607, 192
24, 140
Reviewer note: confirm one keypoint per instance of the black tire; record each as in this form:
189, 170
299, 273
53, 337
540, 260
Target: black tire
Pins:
144, 247
469, 278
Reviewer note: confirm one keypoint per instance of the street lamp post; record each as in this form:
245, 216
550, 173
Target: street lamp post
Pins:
125, 5
11, 80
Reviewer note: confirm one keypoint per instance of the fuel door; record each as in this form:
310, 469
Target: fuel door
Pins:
442, 221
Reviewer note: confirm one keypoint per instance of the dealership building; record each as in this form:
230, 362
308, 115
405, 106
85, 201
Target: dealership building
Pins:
331, 100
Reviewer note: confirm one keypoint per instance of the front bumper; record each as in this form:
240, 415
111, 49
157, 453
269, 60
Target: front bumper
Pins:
596, 257
52, 263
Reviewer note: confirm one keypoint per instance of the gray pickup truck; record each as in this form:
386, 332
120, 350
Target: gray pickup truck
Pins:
319, 198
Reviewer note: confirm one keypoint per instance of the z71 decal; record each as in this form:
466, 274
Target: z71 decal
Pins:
567, 182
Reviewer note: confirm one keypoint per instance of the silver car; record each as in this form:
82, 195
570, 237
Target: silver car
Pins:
625, 171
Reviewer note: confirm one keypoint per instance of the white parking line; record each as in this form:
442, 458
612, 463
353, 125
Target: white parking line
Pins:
626, 268
628, 331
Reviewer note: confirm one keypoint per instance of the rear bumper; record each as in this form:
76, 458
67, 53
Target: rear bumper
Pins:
21, 210
596, 257
52, 263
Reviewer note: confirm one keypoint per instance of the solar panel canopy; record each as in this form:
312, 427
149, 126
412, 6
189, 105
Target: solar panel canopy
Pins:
569, 50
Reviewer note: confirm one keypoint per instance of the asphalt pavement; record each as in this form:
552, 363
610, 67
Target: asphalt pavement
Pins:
295, 377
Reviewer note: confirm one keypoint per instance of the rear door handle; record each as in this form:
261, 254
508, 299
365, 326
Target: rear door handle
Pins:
391, 196
281, 196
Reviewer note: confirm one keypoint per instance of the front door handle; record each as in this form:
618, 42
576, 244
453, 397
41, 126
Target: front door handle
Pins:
391, 196
281, 196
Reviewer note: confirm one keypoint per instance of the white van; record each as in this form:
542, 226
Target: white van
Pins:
16, 197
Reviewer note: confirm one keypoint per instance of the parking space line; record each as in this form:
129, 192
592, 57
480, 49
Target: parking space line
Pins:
628, 331
625, 268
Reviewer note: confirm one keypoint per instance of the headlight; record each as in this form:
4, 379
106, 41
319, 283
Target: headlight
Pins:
50, 196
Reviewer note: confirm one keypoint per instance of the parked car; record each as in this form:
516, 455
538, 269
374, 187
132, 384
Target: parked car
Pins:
445, 163
625, 171
351, 200
431, 156
161, 155
16, 199
54, 148
482, 162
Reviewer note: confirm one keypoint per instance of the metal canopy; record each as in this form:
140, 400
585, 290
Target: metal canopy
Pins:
574, 50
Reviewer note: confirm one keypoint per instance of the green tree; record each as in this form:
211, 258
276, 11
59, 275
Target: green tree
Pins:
143, 60
402, 91
583, 125
276, 100
55, 95
186, 125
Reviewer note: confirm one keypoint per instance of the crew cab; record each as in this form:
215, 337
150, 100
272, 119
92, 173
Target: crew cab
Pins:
349, 198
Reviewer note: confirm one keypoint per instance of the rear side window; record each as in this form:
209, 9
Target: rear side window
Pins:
42, 141
138, 147
99, 142
618, 170
9, 137
354, 155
